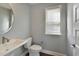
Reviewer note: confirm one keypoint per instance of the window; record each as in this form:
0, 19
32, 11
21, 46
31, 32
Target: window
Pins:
53, 21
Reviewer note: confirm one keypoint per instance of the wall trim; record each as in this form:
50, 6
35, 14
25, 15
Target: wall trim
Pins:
52, 53
47, 52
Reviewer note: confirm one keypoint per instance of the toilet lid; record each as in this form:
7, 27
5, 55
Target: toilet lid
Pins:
35, 47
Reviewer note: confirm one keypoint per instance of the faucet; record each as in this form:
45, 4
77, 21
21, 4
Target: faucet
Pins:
3, 40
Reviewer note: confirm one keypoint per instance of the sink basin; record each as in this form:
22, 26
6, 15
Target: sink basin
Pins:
10, 46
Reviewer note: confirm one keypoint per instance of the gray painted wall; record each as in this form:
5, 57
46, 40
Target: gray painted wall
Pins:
49, 42
21, 25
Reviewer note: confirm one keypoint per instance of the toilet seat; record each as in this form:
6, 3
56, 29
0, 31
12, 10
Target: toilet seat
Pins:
32, 49
36, 47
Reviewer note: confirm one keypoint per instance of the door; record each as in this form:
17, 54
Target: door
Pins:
73, 29
76, 29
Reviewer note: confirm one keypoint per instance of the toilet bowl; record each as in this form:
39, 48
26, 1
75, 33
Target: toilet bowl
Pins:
33, 49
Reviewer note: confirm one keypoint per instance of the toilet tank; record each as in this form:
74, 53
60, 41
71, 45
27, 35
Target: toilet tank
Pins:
28, 43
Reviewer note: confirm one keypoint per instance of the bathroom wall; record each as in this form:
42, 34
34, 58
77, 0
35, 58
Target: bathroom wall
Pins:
21, 24
49, 42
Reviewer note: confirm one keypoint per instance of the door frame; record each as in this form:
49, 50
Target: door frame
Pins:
70, 37
72, 28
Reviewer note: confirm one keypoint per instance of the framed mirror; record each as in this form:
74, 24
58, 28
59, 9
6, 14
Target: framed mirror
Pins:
6, 19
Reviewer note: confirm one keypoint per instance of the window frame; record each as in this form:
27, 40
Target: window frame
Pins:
50, 8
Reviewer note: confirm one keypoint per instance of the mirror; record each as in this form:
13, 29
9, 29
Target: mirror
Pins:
6, 19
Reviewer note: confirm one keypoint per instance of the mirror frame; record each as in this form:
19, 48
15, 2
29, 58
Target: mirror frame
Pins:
12, 17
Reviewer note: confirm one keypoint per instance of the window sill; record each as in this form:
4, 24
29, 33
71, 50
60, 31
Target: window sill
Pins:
53, 33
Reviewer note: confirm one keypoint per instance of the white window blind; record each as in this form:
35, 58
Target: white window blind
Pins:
53, 21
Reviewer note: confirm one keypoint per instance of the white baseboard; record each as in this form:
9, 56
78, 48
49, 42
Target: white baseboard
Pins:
52, 53
47, 52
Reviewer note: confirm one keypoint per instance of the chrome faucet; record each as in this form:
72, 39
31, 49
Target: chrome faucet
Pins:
4, 39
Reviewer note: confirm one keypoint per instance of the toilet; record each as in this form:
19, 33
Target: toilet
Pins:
33, 49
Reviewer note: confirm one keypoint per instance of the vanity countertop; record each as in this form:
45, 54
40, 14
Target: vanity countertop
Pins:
11, 46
